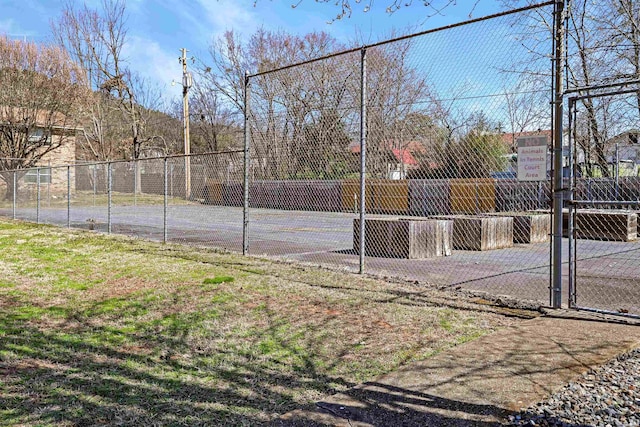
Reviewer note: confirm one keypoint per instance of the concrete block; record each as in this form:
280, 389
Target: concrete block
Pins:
404, 238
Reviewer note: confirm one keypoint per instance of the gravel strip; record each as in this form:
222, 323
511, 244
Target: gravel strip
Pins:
608, 396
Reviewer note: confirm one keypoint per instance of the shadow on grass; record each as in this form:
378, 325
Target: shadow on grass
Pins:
80, 375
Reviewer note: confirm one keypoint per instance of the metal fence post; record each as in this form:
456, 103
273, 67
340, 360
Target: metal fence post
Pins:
477, 198
15, 193
95, 179
617, 172
363, 151
247, 161
135, 182
166, 201
558, 191
49, 185
109, 197
572, 210
68, 196
37, 195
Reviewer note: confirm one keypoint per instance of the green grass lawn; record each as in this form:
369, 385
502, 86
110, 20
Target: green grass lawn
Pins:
107, 330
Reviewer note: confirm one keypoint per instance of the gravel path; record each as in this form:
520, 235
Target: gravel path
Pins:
608, 396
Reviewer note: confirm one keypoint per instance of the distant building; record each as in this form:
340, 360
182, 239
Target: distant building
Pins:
398, 158
61, 156
623, 151
53, 131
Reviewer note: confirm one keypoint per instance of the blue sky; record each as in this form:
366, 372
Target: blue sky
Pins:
159, 28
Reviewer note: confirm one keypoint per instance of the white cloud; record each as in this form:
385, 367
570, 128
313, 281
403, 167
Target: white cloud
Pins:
11, 28
229, 14
207, 19
6, 26
150, 60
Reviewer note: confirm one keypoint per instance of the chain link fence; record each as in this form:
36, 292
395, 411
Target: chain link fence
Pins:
424, 130
144, 198
400, 159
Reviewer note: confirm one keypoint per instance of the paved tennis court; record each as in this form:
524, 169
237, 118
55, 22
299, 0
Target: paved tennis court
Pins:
608, 272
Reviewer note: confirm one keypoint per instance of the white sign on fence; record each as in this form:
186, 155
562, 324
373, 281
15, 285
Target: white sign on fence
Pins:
532, 158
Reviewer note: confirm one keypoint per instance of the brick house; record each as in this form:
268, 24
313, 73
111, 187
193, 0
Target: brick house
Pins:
51, 164
50, 169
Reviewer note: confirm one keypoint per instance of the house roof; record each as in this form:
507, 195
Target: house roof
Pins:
403, 153
404, 156
629, 137
41, 118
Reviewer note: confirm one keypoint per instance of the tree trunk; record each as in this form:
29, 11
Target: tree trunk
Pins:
598, 138
9, 194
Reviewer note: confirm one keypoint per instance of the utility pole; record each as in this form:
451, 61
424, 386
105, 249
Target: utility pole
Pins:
186, 84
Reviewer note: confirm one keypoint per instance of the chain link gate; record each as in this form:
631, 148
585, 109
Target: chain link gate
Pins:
604, 200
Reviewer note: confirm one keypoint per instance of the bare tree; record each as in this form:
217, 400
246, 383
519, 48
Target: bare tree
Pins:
318, 100
95, 39
284, 103
223, 78
590, 59
43, 91
146, 112
526, 107
618, 24
394, 92
102, 137
586, 68
290, 105
345, 7
216, 123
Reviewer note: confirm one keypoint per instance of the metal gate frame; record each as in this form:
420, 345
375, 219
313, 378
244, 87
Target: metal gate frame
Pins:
572, 203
